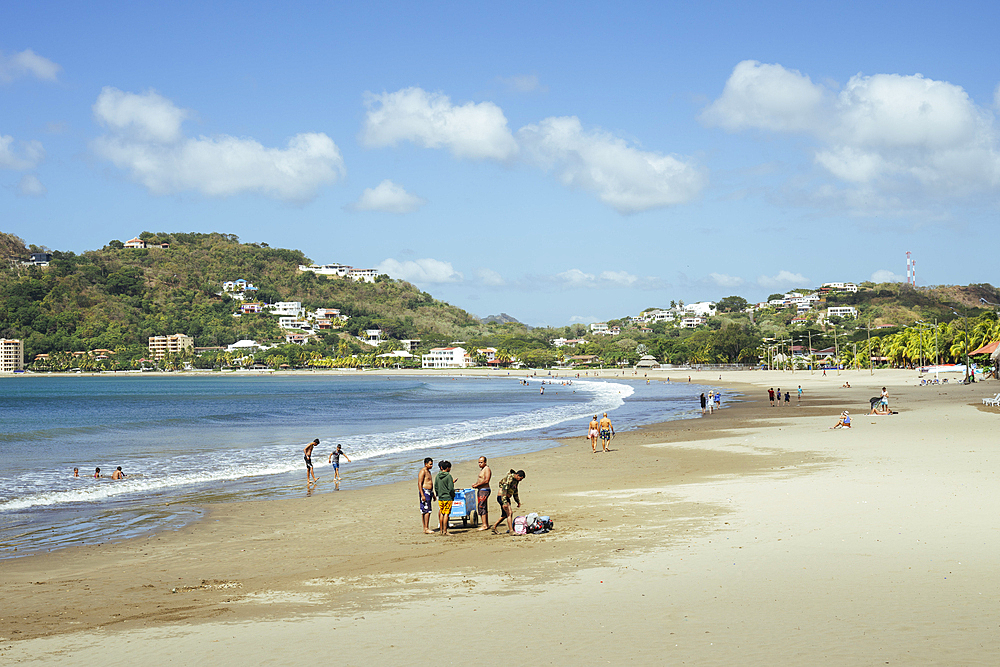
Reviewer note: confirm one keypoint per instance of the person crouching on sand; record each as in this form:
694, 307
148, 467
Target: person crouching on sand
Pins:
508, 490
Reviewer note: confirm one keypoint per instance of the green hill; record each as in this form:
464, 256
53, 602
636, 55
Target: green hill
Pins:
117, 297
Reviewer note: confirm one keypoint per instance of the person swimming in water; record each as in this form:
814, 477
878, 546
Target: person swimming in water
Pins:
118, 474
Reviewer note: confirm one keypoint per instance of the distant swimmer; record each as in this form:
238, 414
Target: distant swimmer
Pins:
76, 472
118, 474
335, 460
97, 473
607, 432
308, 451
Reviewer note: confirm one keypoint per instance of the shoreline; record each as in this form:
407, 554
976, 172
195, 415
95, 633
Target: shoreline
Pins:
666, 495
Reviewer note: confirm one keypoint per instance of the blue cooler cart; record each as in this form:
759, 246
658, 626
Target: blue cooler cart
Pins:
464, 507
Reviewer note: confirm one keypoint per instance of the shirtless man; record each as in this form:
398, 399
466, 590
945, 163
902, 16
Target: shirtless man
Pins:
592, 432
482, 487
607, 431
118, 474
308, 451
425, 490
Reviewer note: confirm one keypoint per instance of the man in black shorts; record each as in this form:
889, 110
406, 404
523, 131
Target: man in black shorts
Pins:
309, 460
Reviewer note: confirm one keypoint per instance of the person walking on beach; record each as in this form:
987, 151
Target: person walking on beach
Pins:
118, 474
482, 487
703, 402
335, 460
593, 431
788, 397
444, 488
779, 397
425, 490
718, 399
508, 490
800, 395
607, 432
308, 451
770, 396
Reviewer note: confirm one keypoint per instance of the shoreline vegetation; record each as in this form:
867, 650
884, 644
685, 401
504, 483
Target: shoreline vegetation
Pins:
752, 535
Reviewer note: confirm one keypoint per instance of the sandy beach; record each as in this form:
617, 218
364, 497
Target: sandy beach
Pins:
756, 535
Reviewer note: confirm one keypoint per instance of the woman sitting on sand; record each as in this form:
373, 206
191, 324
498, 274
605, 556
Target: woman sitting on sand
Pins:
845, 420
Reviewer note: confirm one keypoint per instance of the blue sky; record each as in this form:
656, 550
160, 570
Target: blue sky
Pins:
561, 162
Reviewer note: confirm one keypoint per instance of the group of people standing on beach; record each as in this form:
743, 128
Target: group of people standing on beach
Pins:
442, 488
711, 402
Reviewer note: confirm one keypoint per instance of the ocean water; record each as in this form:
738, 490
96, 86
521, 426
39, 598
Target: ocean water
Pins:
188, 440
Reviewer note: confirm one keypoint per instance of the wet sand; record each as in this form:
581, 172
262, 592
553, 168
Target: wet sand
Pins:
754, 535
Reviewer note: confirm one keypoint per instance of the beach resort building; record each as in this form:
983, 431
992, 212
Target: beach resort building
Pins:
692, 322
446, 357
161, 346
11, 355
599, 328
410, 344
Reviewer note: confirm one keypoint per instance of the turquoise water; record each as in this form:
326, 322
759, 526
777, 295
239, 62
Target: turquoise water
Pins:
186, 440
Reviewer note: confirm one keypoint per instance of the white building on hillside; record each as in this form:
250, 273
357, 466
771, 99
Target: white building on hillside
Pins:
840, 287
701, 309
289, 308
599, 328
341, 271
692, 322
446, 357
842, 311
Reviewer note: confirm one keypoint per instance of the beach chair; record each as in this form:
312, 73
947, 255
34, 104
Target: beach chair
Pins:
995, 401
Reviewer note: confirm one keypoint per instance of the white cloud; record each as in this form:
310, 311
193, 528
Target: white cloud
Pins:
621, 175
476, 131
27, 63
421, 271
767, 97
622, 278
388, 198
878, 134
886, 276
526, 83
29, 157
490, 277
783, 279
626, 178
30, 186
145, 138
575, 278
722, 280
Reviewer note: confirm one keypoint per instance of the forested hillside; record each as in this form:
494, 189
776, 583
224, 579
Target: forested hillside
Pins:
117, 297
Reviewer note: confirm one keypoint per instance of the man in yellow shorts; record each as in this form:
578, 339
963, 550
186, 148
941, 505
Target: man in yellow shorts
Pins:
444, 489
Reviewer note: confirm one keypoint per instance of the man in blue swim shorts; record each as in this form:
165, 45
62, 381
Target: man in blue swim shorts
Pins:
425, 490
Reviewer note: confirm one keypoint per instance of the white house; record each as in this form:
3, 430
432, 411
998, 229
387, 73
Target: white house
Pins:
700, 309
372, 336
840, 287
599, 327
135, 243
290, 308
489, 353
446, 357
363, 275
244, 345
292, 322
842, 311
692, 322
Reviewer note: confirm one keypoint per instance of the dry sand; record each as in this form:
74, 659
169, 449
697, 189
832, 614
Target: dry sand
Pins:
754, 536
